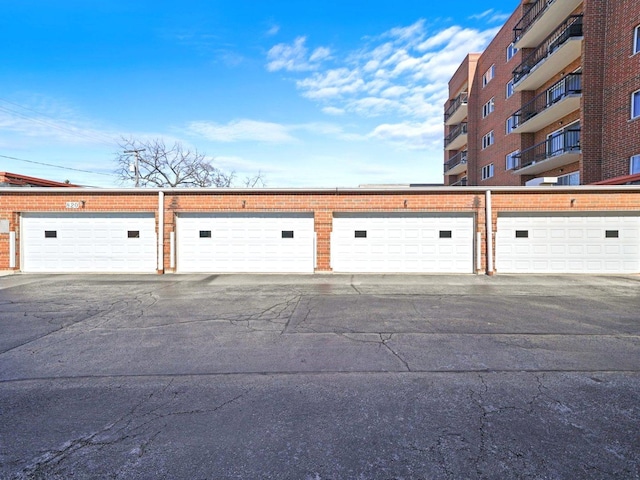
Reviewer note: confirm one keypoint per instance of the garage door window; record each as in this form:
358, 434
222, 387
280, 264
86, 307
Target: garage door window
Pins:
611, 234
445, 233
522, 233
133, 234
205, 233
287, 233
50, 234
361, 234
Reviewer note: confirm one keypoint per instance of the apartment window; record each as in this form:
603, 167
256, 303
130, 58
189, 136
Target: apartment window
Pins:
636, 40
511, 124
635, 164
511, 51
635, 104
487, 171
572, 178
510, 89
487, 140
488, 107
512, 160
488, 75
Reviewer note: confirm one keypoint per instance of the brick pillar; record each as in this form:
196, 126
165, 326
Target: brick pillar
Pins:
593, 62
323, 224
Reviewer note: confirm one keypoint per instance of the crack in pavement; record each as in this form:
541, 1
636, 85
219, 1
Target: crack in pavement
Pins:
395, 354
136, 423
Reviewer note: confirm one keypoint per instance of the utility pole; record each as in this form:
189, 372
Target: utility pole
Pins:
137, 165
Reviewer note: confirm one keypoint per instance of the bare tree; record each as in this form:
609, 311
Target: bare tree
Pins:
157, 165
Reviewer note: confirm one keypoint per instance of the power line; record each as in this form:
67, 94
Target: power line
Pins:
58, 166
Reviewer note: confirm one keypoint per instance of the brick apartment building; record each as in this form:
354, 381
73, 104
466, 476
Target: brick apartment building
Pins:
554, 98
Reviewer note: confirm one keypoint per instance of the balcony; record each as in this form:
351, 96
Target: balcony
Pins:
557, 51
457, 110
456, 164
558, 150
540, 20
460, 183
457, 137
550, 106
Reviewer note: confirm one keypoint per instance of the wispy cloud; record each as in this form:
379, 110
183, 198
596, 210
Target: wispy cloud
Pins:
401, 74
333, 111
490, 16
411, 135
264, 132
273, 30
46, 120
296, 57
242, 130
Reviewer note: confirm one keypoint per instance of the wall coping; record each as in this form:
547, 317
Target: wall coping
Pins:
304, 191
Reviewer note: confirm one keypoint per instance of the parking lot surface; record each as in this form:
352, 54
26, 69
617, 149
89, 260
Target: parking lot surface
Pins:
319, 376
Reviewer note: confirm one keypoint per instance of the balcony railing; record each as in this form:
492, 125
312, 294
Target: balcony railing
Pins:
568, 86
460, 183
454, 105
455, 132
529, 17
570, 28
539, 19
459, 159
567, 142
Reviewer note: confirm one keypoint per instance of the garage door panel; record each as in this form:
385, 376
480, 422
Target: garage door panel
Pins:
400, 242
89, 242
578, 243
251, 243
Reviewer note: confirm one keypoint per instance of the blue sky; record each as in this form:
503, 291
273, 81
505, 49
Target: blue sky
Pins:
314, 93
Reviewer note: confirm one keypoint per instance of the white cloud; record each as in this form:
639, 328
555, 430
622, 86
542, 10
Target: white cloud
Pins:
265, 132
332, 83
242, 130
333, 111
319, 54
408, 34
295, 57
441, 38
273, 30
411, 135
480, 16
490, 15
402, 73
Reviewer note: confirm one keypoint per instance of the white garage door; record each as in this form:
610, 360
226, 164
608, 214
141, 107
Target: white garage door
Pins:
568, 244
402, 242
252, 242
89, 242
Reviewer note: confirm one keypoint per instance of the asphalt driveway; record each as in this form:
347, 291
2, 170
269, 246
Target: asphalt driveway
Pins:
319, 377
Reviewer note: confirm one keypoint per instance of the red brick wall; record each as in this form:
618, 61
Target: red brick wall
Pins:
593, 78
494, 54
322, 203
620, 135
